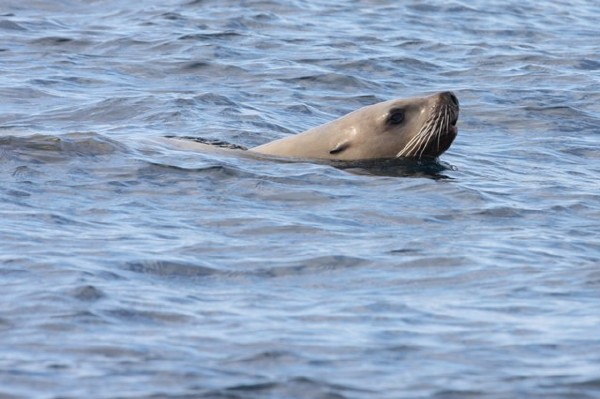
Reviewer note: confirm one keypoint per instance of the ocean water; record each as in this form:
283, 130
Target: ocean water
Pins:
131, 269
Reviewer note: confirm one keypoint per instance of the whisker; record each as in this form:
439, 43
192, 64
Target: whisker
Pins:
445, 126
415, 143
430, 134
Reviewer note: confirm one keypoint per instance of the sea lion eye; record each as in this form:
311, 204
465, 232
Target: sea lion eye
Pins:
396, 116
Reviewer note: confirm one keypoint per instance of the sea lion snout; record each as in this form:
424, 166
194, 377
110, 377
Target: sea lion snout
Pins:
450, 97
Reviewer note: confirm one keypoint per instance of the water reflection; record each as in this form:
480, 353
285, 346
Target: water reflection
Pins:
398, 167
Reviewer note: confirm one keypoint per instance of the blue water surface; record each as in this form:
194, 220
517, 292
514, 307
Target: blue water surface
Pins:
133, 269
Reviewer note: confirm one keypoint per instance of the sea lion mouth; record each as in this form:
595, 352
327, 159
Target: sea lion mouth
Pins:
453, 129
438, 132
454, 120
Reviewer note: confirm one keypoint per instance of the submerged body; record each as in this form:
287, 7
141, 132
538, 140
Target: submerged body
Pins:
420, 127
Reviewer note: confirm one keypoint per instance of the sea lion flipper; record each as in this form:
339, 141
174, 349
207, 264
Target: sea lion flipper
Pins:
339, 147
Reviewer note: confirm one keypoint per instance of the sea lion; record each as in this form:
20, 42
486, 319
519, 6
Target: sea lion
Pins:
420, 127
415, 128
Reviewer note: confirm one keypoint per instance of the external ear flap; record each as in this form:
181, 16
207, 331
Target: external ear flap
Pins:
339, 147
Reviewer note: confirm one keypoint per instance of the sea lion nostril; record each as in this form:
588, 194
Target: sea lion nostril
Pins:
453, 98
449, 96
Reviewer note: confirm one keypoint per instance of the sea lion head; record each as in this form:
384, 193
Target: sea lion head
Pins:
422, 127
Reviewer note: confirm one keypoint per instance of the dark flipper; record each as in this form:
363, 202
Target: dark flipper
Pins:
215, 142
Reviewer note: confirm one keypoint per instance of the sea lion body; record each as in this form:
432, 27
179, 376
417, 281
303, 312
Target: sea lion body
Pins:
414, 128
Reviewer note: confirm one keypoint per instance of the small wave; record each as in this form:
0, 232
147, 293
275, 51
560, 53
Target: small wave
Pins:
335, 81
87, 293
210, 35
10, 25
312, 266
295, 387
51, 148
165, 268
150, 317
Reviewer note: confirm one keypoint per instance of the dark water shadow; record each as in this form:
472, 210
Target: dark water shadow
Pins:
397, 167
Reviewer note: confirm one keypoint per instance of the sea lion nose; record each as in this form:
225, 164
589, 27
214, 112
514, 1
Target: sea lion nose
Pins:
450, 96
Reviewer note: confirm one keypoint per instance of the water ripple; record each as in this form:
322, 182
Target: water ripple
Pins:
180, 274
